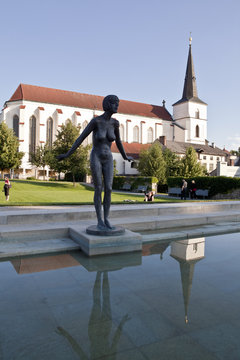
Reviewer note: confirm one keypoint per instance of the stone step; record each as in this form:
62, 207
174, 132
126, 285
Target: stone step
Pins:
45, 231
70, 214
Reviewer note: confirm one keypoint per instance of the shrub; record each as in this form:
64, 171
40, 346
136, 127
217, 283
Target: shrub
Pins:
214, 184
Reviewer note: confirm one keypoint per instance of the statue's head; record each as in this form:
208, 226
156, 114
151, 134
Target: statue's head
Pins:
109, 101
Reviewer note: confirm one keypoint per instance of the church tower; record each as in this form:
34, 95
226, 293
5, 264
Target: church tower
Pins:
190, 113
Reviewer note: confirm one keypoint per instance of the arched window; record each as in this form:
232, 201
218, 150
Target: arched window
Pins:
197, 131
197, 114
136, 134
84, 125
150, 135
49, 135
32, 135
121, 130
16, 125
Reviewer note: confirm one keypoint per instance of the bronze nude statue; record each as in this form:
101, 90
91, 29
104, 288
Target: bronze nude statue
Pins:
105, 130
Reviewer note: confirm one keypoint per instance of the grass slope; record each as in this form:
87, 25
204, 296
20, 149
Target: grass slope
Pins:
26, 193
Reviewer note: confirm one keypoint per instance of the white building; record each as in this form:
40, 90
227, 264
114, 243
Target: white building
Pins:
36, 113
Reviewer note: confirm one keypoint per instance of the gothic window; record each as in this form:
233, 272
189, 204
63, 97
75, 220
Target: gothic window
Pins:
197, 114
197, 131
150, 135
49, 134
121, 130
32, 135
136, 134
16, 125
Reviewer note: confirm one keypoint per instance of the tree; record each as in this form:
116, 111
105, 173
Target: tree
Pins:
77, 163
190, 166
235, 152
152, 163
10, 156
41, 157
173, 163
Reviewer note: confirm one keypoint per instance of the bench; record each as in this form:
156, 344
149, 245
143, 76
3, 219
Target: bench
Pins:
174, 191
203, 193
177, 192
126, 187
141, 189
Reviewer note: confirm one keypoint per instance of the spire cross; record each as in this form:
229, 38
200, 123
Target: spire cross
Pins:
190, 39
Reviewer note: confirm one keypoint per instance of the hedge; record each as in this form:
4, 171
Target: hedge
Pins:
119, 181
214, 184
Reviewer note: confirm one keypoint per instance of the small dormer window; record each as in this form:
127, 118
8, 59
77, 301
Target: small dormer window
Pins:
197, 131
197, 114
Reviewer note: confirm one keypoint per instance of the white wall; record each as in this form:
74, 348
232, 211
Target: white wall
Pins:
185, 115
224, 170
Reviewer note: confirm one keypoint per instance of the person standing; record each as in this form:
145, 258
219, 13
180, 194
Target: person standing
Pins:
184, 190
6, 188
193, 190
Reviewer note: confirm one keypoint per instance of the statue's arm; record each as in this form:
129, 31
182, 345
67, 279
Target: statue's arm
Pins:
119, 143
89, 128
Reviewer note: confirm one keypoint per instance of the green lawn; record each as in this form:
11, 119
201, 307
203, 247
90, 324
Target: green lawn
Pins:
24, 193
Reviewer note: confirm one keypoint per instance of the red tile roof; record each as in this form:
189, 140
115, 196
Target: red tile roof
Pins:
75, 99
131, 149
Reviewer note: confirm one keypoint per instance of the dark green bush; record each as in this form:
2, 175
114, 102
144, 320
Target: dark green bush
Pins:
214, 184
119, 181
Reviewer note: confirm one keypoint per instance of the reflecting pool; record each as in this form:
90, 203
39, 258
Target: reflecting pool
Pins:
175, 300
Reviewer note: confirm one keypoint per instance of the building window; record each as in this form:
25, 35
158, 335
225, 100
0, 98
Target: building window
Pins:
16, 125
32, 135
197, 131
204, 157
210, 167
121, 130
211, 157
150, 135
197, 114
49, 135
218, 158
136, 134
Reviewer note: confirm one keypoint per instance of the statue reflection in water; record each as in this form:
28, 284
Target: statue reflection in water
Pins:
100, 323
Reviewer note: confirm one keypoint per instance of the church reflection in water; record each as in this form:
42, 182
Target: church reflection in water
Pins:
101, 331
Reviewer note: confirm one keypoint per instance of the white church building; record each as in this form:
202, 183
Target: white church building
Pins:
36, 114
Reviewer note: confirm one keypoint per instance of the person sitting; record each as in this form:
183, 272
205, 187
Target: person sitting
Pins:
149, 196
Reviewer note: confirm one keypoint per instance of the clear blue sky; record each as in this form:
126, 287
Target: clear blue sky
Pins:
132, 48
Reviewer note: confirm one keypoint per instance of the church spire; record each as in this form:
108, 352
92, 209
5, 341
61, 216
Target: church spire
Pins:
190, 85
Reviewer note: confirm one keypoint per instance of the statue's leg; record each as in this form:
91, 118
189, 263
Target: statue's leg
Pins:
96, 168
108, 179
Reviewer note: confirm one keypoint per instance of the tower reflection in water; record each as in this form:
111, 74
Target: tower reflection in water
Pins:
187, 253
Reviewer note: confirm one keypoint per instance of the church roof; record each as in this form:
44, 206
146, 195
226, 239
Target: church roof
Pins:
70, 98
179, 147
131, 149
190, 85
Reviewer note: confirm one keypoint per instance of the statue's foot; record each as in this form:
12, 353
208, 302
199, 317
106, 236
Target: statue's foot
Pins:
108, 225
101, 225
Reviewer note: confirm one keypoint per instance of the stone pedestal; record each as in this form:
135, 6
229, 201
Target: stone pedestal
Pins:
106, 244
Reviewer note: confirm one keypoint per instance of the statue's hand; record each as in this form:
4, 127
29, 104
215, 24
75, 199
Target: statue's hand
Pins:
129, 158
61, 157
